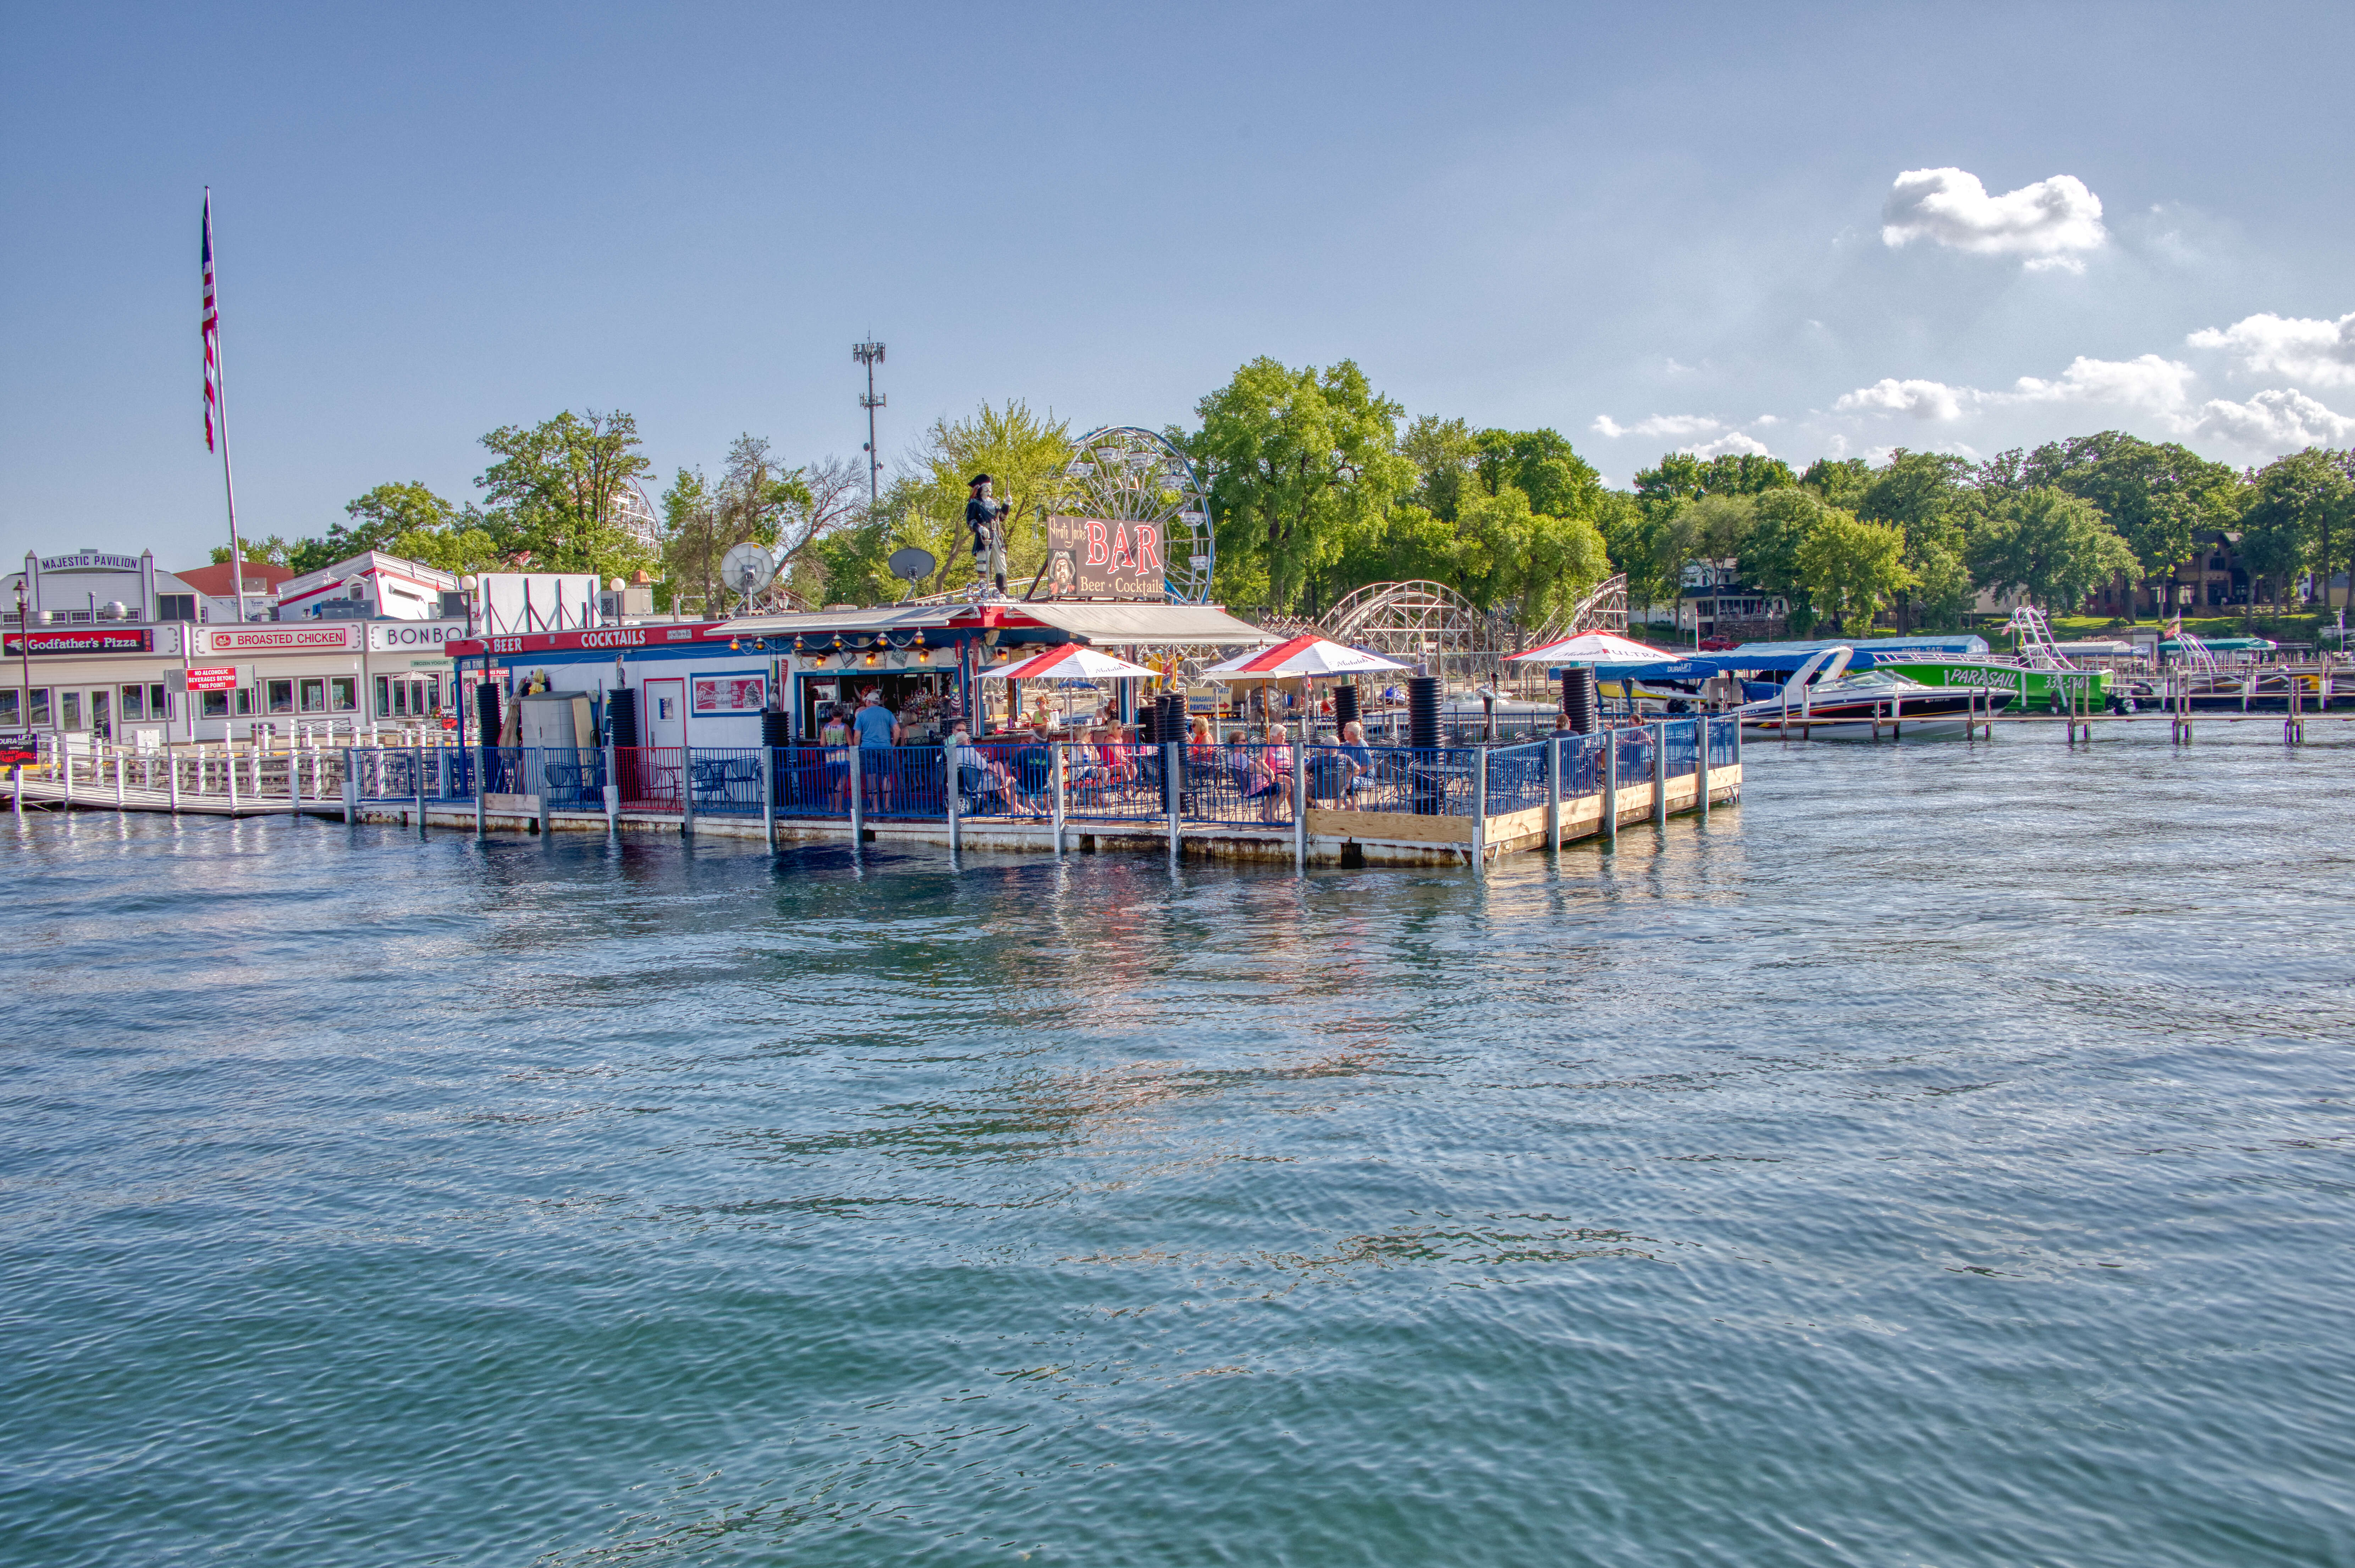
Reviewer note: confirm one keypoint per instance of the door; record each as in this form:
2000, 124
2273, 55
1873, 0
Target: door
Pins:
664, 722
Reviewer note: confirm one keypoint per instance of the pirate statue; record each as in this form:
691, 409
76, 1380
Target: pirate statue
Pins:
987, 518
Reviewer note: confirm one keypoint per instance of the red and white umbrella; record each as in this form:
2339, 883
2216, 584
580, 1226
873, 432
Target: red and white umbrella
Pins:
1306, 655
1594, 648
1071, 662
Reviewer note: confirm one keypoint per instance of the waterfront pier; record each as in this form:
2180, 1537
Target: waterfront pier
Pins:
1314, 804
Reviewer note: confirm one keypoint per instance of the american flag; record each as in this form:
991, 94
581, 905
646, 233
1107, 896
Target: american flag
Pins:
212, 330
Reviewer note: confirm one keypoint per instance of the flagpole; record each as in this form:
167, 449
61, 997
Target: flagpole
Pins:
220, 383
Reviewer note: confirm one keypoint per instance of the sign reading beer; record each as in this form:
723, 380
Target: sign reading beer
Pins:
1103, 557
215, 678
79, 641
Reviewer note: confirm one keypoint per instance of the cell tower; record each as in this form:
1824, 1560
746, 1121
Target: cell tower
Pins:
870, 354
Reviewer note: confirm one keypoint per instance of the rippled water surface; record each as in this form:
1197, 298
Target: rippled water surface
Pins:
1944, 1157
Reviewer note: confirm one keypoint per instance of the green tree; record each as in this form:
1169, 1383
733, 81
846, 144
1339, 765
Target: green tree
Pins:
1926, 495
1303, 463
2166, 501
388, 511
1537, 565
2050, 545
2299, 508
1024, 454
1780, 523
556, 495
412, 522
1852, 567
1841, 481
1541, 465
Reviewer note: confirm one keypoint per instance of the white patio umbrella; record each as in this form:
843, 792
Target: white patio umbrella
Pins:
1307, 655
1594, 648
1071, 662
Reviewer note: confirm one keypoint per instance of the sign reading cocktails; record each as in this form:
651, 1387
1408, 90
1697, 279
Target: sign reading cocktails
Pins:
1103, 557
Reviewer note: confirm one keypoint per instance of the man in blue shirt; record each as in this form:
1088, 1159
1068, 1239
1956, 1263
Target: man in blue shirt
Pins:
876, 725
879, 731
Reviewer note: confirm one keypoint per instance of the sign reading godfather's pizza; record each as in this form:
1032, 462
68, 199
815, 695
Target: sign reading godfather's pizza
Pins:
1103, 557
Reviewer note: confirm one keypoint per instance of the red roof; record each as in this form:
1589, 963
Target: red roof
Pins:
214, 580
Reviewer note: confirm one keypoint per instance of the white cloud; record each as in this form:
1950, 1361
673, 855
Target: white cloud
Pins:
2149, 382
2278, 421
1674, 426
1732, 442
1764, 421
2319, 352
1923, 400
2157, 385
2047, 222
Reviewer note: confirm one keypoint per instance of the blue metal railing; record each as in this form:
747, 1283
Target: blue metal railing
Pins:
1236, 783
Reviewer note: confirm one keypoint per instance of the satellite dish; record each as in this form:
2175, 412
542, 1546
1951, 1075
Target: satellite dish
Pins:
747, 568
911, 564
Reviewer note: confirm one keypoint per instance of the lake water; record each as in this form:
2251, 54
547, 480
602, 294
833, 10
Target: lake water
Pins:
1944, 1157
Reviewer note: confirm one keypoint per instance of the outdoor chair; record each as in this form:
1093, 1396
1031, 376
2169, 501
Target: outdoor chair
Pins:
716, 779
977, 794
1330, 776
1034, 774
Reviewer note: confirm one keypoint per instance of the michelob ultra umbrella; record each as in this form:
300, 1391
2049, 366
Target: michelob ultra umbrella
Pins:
1307, 655
1071, 662
1594, 648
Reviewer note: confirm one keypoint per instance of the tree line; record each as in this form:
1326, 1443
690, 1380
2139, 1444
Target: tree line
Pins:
1319, 484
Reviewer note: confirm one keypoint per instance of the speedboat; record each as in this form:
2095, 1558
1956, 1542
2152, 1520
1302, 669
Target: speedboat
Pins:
1823, 702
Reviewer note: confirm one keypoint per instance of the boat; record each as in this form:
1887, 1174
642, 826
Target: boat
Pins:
2040, 677
1823, 702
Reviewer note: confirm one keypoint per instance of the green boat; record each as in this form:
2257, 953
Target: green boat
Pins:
2053, 690
2039, 676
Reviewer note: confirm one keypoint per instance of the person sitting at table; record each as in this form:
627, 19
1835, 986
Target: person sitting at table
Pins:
1270, 781
981, 776
1357, 763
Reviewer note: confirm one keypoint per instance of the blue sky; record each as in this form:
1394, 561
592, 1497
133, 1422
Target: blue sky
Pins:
1646, 229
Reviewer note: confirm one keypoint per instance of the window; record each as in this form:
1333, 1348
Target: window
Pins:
400, 698
134, 704
343, 693
11, 707
315, 695
41, 705
383, 697
69, 702
212, 705
159, 701
280, 698
175, 606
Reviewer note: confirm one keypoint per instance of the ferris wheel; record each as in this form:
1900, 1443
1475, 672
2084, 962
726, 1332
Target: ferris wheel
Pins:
1125, 473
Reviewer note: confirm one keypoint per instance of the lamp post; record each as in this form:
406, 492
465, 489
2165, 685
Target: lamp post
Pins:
25, 654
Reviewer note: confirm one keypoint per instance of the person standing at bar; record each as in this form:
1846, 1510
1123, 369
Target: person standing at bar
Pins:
986, 519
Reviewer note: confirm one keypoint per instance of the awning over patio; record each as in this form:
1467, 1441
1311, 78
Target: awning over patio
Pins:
1131, 623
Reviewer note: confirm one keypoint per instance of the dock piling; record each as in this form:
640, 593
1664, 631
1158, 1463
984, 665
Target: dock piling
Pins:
1659, 773
1173, 759
1553, 791
768, 799
1057, 756
1611, 785
952, 795
1700, 764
